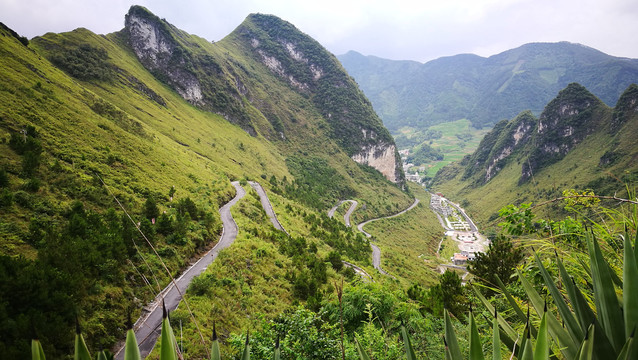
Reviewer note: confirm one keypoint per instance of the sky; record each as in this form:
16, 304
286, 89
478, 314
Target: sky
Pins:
393, 29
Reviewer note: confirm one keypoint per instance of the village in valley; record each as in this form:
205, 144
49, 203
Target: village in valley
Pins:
459, 228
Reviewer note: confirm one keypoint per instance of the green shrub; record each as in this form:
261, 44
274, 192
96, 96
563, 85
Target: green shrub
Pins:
85, 62
4, 178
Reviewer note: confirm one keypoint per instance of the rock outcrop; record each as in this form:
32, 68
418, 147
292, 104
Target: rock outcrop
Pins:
219, 83
381, 157
159, 52
536, 143
565, 122
303, 64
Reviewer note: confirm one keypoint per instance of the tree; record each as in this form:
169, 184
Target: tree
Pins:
151, 211
335, 260
447, 294
500, 260
4, 178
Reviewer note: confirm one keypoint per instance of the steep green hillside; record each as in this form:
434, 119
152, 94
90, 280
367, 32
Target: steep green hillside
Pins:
576, 143
163, 120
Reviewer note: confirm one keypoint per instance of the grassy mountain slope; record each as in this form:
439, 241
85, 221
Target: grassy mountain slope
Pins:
576, 143
80, 108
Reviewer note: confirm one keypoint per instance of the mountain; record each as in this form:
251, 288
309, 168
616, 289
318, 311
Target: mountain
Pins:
158, 122
485, 90
577, 142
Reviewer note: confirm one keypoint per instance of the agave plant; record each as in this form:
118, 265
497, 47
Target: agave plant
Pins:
168, 347
577, 332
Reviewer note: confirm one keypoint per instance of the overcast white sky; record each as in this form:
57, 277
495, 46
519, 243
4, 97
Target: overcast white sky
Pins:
395, 29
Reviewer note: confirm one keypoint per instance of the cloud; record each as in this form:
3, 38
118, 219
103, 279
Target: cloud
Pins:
399, 29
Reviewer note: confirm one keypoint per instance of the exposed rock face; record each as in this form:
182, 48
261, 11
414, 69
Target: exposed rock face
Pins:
381, 157
565, 122
504, 140
156, 49
626, 107
306, 66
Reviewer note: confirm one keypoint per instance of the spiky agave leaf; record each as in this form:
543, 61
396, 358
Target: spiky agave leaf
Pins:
409, 350
584, 313
628, 348
541, 352
277, 355
476, 349
362, 353
246, 354
526, 350
572, 325
167, 349
450, 338
630, 288
569, 348
607, 306
81, 350
447, 350
586, 351
37, 353
509, 334
214, 349
513, 304
131, 350
496, 343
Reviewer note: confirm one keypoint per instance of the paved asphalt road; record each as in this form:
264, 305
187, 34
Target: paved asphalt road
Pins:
265, 203
346, 217
360, 226
148, 328
376, 252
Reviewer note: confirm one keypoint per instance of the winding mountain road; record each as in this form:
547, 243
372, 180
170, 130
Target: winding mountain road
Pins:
147, 328
351, 209
265, 203
361, 225
376, 252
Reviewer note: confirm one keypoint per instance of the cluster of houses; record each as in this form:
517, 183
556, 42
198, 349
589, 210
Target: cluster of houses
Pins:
462, 258
438, 204
406, 166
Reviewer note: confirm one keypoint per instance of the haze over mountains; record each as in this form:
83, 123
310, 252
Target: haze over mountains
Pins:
151, 129
485, 90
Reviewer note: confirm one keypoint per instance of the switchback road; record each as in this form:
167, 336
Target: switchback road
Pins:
376, 252
147, 328
265, 203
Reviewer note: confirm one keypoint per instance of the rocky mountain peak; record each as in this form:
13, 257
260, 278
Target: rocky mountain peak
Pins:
626, 107
301, 62
155, 47
563, 113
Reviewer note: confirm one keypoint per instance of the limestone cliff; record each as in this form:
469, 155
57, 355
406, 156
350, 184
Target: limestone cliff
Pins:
564, 123
157, 49
307, 67
175, 58
537, 143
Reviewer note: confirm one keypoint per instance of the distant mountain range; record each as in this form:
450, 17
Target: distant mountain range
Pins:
485, 90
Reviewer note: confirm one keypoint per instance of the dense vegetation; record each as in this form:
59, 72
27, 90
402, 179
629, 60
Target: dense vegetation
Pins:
99, 137
89, 136
424, 154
